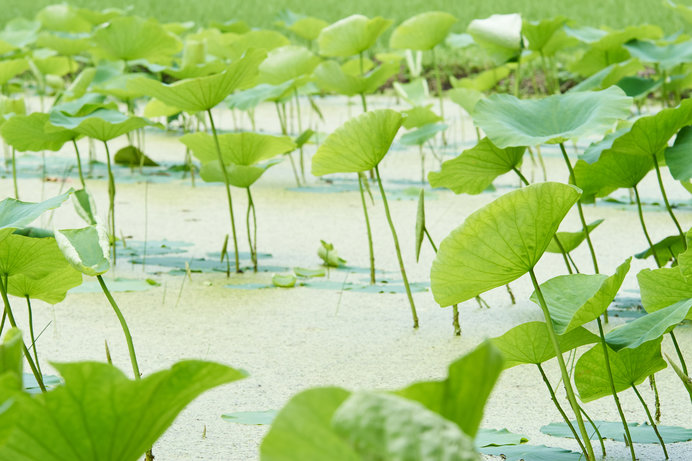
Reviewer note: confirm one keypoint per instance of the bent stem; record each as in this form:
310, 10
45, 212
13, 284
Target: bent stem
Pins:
123, 324
111, 202
79, 164
396, 246
228, 190
369, 230
252, 240
563, 368
665, 200
651, 420
31, 333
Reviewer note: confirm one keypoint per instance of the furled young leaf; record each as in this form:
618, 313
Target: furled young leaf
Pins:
238, 148
287, 63
423, 31
101, 124
86, 249
91, 416
329, 255
571, 240
686, 380
679, 155
461, 396
577, 299
15, 214
500, 242
663, 287
384, 426
203, 93
509, 121
649, 327
476, 168
499, 35
350, 36
131, 37
530, 343
357, 145
629, 367
28, 133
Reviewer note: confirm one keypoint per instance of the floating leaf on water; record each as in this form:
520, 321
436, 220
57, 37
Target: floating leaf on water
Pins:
641, 433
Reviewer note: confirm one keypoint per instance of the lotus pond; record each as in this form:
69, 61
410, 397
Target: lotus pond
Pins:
220, 242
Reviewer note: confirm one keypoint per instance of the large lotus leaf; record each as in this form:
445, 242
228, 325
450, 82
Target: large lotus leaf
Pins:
418, 116
131, 37
302, 429
461, 397
101, 124
51, 288
612, 171
100, 415
577, 299
421, 135
650, 135
423, 31
9, 68
629, 367
663, 287
62, 18
333, 78
86, 249
15, 214
679, 155
509, 121
203, 93
649, 327
287, 63
66, 44
665, 56
530, 343
239, 148
482, 81
467, 98
249, 99
571, 240
476, 168
384, 426
238, 175
538, 34
357, 145
28, 133
499, 35
500, 242
351, 35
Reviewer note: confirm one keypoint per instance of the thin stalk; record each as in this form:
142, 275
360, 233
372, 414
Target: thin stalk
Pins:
14, 174
455, 320
363, 101
683, 365
553, 397
541, 163
482, 303
31, 333
641, 221
517, 76
79, 164
652, 384
595, 428
422, 163
253, 246
425, 230
293, 167
396, 247
300, 130
438, 85
10, 317
2, 322
369, 230
612, 388
563, 369
228, 190
512, 299
111, 202
665, 200
651, 420
123, 324
581, 211
282, 122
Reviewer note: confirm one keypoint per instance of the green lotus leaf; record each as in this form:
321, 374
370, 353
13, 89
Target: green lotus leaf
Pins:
65, 44
666, 56
19, 33
51, 288
500, 242
11, 362
118, 86
613, 170
538, 34
629, 367
90, 416
664, 250
639, 87
11, 106
28, 133
649, 327
663, 287
101, 124
15, 214
530, 343
462, 395
499, 35
284, 280
467, 98
130, 37
287, 63
679, 155
132, 156
63, 18
482, 81
156, 108
84, 205
686, 380
414, 92
265, 40
350, 36
476, 168
203, 93
83, 105
357, 145
509, 121
238, 175
249, 99
592, 153
459, 41
640, 433
685, 258
96, 17
571, 240
333, 78
421, 135
418, 116
238, 148
577, 299
329, 255
10, 68
86, 249
30, 257
610, 76
306, 27
383, 426
53, 66
423, 31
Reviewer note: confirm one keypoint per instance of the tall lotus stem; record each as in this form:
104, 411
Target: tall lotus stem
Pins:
438, 85
651, 420
79, 164
369, 230
31, 333
665, 200
14, 174
252, 238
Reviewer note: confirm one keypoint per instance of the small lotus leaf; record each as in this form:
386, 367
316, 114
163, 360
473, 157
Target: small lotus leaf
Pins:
287, 63
679, 155
350, 36
249, 99
509, 121
500, 242
64, 18
86, 249
664, 250
467, 98
538, 34
284, 280
571, 240
415, 92
333, 78
421, 135
238, 148
640, 433
9, 68
129, 38
101, 124
418, 116
482, 81
532, 452
359, 144
423, 31
613, 170
666, 56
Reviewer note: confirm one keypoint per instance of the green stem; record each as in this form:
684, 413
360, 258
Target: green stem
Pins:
651, 420
517, 76
396, 246
612, 388
559, 407
300, 130
455, 320
79, 164
111, 202
595, 428
253, 246
10, 317
14, 174
369, 230
31, 333
563, 368
438, 85
228, 189
425, 230
665, 200
282, 122
641, 221
422, 163
123, 324
683, 365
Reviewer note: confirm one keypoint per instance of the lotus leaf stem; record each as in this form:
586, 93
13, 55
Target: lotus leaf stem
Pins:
79, 164
369, 230
111, 203
438, 90
651, 420
595, 428
252, 238
683, 365
14, 174
665, 200
31, 333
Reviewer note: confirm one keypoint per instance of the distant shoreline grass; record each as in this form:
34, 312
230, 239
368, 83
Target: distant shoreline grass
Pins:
595, 13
